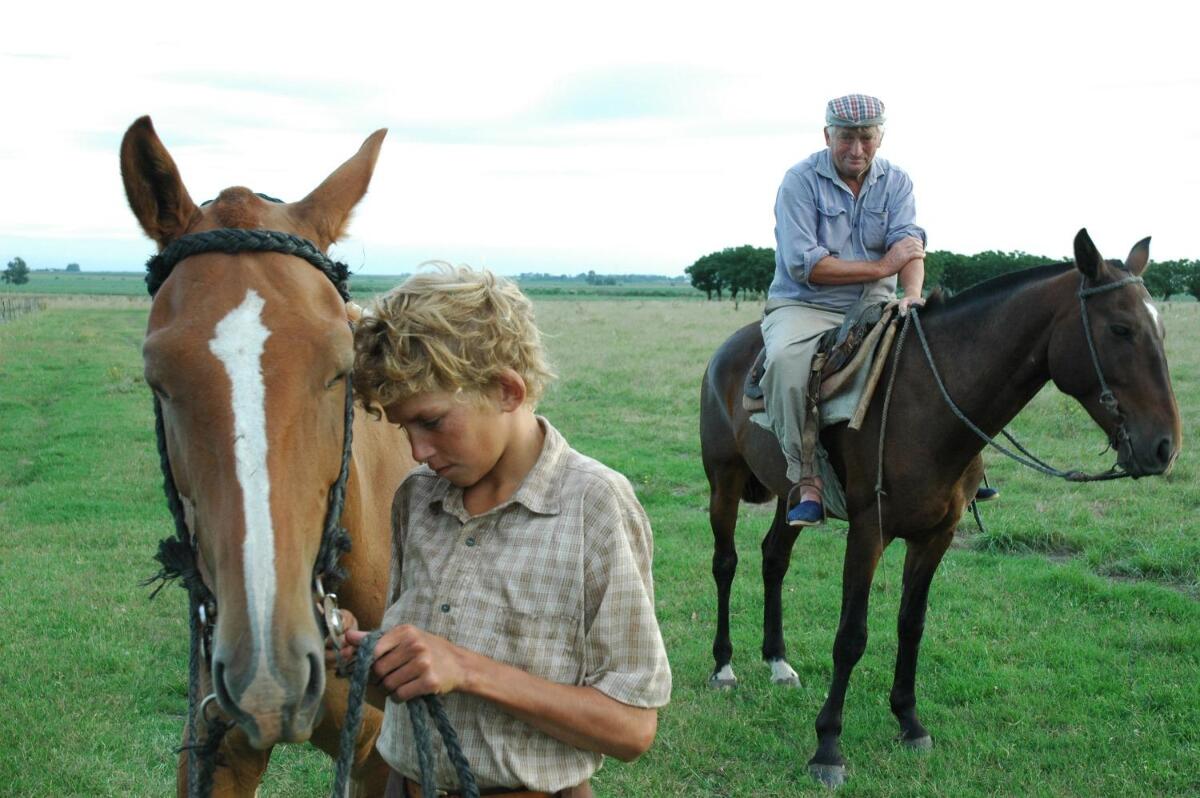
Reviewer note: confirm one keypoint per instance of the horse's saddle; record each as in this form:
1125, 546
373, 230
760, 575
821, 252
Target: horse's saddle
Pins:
841, 353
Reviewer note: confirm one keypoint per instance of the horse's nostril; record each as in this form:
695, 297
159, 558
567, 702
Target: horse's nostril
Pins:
1165, 450
224, 697
316, 679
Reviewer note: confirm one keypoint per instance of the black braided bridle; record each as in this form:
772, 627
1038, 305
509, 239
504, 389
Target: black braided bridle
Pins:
178, 555
1107, 399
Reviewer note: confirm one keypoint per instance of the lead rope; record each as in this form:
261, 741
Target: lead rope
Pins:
363, 658
1030, 462
1107, 399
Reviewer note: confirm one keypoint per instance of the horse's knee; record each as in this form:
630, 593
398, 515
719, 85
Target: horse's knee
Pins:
724, 566
849, 645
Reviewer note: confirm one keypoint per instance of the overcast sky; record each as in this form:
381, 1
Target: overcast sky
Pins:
619, 137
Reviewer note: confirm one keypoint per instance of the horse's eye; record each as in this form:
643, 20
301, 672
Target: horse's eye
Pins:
1120, 330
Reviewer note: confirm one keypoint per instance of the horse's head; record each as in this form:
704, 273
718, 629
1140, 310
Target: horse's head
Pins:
248, 355
1126, 332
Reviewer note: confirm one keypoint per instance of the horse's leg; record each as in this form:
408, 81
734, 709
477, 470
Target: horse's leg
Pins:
863, 548
725, 493
369, 772
239, 769
920, 563
777, 555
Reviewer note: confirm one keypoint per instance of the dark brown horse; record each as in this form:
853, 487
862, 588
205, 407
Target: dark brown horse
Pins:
995, 346
249, 354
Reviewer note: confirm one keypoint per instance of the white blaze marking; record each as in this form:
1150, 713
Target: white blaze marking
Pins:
238, 343
1158, 325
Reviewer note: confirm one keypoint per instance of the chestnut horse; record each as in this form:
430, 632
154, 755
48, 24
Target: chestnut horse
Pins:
248, 355
995, 346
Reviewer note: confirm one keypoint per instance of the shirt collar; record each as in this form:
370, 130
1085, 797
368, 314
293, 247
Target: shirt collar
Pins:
825, 168
539, 491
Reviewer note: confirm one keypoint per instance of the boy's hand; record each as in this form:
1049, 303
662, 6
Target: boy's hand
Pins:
411, 662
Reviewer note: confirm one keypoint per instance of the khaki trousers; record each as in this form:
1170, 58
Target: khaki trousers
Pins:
791, 334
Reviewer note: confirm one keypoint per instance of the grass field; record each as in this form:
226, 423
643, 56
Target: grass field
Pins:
362, 286
1062, 652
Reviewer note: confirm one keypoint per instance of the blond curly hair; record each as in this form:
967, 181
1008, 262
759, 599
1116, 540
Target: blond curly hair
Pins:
449, 329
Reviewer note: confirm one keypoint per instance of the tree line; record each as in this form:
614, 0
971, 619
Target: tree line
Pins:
748, 270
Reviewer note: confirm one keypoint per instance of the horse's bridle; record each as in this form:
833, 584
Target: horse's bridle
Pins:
178, 555
1107, 399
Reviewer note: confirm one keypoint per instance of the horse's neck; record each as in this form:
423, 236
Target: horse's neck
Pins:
996, 359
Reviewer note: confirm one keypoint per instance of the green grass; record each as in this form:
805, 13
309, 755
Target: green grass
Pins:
1071, 674
362, 286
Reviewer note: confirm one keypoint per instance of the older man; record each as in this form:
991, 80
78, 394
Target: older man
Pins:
845, 230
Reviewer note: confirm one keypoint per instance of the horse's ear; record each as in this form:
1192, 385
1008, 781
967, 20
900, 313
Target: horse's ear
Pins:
1139, 256
153, 186
1087, 257
326, 210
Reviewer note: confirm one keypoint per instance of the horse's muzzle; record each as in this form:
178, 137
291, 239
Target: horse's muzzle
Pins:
272, 705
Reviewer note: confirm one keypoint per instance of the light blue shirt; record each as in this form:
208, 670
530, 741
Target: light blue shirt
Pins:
816, 214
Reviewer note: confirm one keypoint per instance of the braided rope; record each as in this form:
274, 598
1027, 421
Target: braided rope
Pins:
335, 540
363, 659
231, 241
887, 402
1034, 463
1107, 399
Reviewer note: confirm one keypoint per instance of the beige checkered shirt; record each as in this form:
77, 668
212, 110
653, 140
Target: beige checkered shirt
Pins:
555, 581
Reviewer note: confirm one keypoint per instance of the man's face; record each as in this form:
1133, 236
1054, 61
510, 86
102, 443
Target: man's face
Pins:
853, 149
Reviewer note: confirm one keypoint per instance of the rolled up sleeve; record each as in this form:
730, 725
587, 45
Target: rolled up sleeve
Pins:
624, 654
796, 228
902, 213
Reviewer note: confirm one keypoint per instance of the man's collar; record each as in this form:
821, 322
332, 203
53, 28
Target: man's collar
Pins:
825, 168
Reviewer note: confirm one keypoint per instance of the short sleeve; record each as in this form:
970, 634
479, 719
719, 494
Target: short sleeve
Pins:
624, 656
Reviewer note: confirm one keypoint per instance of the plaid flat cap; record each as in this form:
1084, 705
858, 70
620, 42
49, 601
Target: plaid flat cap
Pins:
854, 110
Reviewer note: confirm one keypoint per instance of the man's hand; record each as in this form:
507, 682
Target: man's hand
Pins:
411, 662
910, 301
900, 253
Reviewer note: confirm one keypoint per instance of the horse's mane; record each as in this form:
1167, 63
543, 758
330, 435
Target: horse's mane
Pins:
987, 290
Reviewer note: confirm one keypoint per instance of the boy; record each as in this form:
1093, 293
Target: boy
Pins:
521, 584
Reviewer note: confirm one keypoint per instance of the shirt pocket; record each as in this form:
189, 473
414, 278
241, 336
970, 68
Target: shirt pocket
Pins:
543, 645
874, 223
833, 229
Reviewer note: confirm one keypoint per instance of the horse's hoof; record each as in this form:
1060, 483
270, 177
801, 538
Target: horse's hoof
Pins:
832, 776
917, 744
782, 673
723, 679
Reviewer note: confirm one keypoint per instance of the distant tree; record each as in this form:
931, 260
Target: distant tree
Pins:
16, 273
1190, 277
72, 267
956, 272
706, 276
1168, 277
745, 270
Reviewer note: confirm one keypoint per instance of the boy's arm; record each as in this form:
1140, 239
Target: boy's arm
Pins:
412, 662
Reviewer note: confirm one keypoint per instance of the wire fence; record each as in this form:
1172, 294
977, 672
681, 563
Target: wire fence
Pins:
15, 307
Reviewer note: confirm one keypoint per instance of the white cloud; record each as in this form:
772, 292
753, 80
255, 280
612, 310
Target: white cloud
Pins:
638, 134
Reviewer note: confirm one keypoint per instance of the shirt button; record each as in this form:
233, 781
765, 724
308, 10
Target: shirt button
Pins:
470, 541
445, 608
